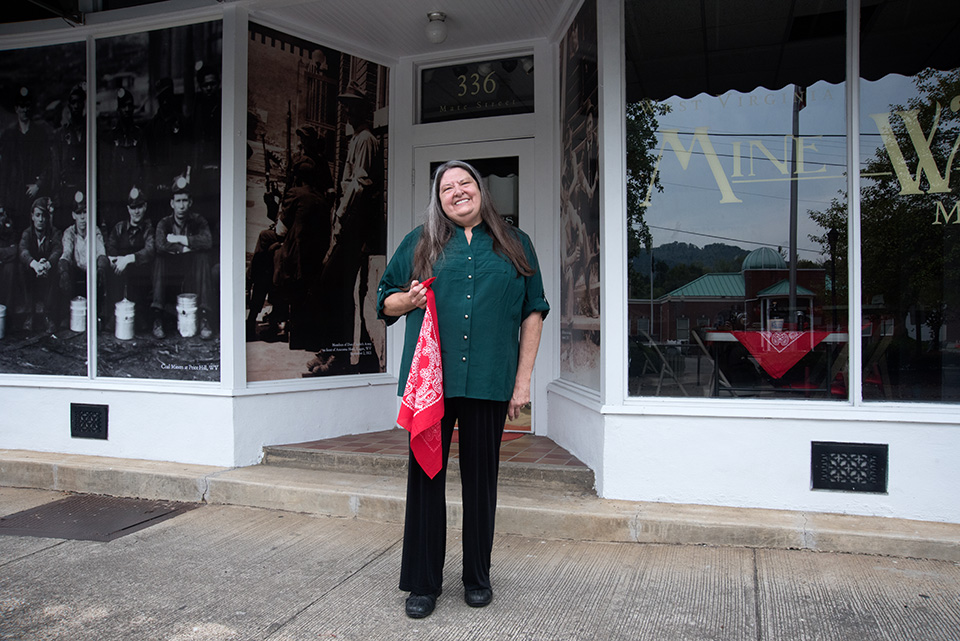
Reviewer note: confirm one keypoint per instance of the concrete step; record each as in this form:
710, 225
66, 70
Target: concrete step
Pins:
571, 479
538, 512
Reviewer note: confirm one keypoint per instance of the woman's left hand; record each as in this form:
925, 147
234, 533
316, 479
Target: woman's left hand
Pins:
530, 330
519, 400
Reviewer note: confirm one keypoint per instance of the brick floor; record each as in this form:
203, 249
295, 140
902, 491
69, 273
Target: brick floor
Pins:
518, 448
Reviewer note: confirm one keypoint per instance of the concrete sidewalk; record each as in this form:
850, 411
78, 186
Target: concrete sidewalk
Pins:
232, 573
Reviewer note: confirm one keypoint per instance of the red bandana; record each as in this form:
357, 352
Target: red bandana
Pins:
777, 352
422, 405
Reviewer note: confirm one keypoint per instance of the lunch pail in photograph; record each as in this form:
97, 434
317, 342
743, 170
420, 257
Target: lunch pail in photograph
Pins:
187, 315
78, 314
124, 314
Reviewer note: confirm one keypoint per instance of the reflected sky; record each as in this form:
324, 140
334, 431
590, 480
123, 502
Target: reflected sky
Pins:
731, 183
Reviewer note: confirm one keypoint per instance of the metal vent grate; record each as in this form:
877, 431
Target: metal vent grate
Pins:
852, 467
88, 421
84, 517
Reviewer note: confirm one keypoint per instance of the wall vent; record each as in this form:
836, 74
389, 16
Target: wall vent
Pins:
850, 467
88, 421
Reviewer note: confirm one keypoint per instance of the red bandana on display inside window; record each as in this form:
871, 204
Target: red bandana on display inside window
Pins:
777, 352
422, 406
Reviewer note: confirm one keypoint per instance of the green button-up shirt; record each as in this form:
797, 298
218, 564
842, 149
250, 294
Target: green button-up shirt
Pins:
481, 301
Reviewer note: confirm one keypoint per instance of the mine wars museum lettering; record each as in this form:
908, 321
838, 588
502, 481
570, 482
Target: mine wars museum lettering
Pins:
910, 183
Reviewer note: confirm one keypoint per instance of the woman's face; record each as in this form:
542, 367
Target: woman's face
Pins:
460, 197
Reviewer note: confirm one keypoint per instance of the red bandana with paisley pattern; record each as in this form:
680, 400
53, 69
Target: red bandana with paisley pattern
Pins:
422, 406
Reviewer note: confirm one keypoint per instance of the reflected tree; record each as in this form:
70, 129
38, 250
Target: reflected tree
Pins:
641, 134
909, 241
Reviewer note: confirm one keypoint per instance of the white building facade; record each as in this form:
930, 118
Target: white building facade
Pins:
633, 132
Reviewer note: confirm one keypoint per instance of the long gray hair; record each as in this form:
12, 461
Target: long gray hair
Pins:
438, 229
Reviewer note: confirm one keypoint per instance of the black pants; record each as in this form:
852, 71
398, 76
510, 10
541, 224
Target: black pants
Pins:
186, 273
425, 528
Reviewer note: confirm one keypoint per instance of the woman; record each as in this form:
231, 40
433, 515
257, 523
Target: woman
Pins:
488, 291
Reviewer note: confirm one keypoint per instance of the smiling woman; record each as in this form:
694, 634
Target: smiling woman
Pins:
486, 312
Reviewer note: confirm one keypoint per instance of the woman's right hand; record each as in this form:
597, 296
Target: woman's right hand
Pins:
418, 294
400, 303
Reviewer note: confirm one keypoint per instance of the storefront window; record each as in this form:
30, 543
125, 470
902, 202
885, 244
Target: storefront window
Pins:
43, 198
736, 155
910, 201
580, 286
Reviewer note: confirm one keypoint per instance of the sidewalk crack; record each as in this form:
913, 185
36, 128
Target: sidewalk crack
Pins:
34, 553
204, 484
757, 613
277, 626
808, 538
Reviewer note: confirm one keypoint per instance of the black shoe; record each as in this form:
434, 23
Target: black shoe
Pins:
421, 605
158, 332
478, 598
205, 332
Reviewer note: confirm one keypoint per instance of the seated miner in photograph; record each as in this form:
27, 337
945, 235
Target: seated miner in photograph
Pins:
73, 260
183, 261
40, 248
131, 249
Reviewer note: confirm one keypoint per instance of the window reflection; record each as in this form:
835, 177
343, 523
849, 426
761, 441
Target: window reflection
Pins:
909, 216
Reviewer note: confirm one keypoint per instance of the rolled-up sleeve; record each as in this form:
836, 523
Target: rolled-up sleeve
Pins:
534, 298
396, 277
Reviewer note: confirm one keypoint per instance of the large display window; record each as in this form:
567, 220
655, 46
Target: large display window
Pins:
130, 277
317, 141
736, 146
910, 201
43, 168
580, 286
158, 203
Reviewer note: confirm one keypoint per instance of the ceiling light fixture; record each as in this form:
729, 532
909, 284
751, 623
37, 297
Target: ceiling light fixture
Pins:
436, 27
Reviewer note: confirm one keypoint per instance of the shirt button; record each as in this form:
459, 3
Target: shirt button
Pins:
464, 337
468, 296
464, 359
466, 315
469, 257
